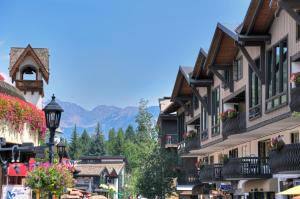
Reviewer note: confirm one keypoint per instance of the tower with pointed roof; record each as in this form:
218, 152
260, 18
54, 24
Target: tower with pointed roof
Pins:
29, 69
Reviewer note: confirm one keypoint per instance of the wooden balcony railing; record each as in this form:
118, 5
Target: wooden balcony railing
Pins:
211, 173
286, 160
246, 168
30, 86
234, 125
295, 99
189, 144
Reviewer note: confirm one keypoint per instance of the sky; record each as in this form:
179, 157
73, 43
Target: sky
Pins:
114, 52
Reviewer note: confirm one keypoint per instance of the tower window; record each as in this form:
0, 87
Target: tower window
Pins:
29, 73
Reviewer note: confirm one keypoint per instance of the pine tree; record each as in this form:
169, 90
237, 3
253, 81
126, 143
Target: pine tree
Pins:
129, 133
97, 145
74, 147
120, 143
111, 142
85, 142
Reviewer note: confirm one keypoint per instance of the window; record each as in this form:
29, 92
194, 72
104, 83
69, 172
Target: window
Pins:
211, 160
215, 111
234, 153
203, 122
294, 137
254, 93
181, 126
277, 75
226, 74
238, 69
195, 102
298, 29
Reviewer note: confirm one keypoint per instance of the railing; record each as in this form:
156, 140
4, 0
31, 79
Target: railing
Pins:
30, 85
211, 173
234, 125
247, 167
254, 111
295, 99
170, 140
285, 160
189, 144
188, 178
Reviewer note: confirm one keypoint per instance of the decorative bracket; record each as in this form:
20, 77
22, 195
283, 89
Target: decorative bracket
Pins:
228, 83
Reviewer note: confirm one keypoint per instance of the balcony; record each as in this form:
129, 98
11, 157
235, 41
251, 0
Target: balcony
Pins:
286, 160
295, 99
30, 86
235, 125
189, 144
171, 140
246, 168
188, 178
211, 173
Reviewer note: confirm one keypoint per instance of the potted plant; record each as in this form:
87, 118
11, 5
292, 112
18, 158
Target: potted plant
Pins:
295, 77
277, 142
223, 115
49, 178
191, 134
232, 113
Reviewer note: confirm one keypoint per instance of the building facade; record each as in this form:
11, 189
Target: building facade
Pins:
237, 128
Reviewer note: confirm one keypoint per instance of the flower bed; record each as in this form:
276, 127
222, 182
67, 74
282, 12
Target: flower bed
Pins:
18, 112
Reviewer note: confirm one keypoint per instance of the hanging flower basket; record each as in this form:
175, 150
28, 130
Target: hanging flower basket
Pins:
45, 178
295, 77
277, 143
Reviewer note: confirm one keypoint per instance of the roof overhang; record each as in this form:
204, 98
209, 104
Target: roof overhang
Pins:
259, 17
182, 84
223, 48
198, 68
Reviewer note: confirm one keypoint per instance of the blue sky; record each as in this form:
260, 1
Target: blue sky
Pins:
114, 52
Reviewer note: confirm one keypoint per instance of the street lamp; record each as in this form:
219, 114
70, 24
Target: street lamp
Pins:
52, 114
61, 149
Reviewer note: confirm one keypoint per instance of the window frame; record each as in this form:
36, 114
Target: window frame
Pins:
215, 115
259, 94
238, 70
283, 91
204, 122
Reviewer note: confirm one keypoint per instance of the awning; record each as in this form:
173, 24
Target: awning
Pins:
291, 191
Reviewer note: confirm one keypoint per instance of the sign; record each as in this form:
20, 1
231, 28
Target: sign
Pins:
16, 192
225, 187
17, 169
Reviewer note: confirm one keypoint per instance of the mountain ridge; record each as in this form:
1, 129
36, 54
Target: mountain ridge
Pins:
107, 115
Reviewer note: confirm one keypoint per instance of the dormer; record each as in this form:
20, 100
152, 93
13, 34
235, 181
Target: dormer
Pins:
29, 68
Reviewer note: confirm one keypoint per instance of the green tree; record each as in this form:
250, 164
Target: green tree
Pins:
74, 147
85, 142
120, 142
97, 147
129, 133
159, 174
111, 142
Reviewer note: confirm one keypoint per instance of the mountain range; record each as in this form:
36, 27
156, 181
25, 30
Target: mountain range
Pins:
108, 117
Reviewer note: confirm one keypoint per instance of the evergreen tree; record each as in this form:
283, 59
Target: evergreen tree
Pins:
85, 142
120, 143
111, 142
97, 145
74, 147
129, 133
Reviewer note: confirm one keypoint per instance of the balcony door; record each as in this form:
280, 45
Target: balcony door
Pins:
264, 147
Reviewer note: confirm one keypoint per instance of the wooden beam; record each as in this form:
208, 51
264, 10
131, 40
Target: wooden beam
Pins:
287, 7
221, 66
251, 62
254, 38
201, 82
183, 104
199, 97
223, 80
253, 19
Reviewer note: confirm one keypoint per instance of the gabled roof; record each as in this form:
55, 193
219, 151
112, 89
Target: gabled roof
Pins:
40, 56
182, 83
198, 68
259, 17
223, 48
97, 169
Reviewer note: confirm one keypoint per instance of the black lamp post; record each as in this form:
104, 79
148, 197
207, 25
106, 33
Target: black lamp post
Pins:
61, 149
53, 114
